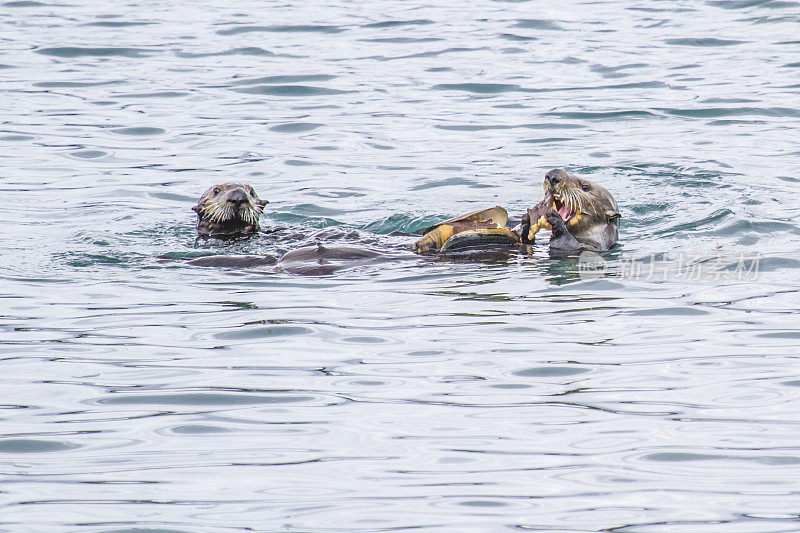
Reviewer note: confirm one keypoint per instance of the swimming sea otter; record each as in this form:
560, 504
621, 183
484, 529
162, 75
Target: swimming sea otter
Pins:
228, 210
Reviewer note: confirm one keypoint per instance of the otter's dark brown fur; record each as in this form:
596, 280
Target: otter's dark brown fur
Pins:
228, 210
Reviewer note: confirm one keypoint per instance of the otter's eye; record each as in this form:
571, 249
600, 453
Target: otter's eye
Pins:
251, 190
215, 191
585, 187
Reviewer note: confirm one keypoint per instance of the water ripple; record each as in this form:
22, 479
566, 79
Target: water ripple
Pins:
397, 23
72, 51
291, 90
704, 42
280, 29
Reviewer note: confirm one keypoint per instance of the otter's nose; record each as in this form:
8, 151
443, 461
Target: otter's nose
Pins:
237, 197
552, 179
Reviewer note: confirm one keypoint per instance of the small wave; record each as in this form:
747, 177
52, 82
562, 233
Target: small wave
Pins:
281, 29
668, 311
484, 127
24, 3
199, 398
711, 112
479, 88
433, 53
402, 40
198, 429
621, 71
538, 24
295, 127
704, 42
551, 371
396, 23
73, 51
708, 220
57, 84
600, 115
744, 4
115, 24
141, 131
89, 154
263, 332
546, 140
245, 51
515, 37
291, 90
34, 446
401, 222
493, 88
285, 79
448, 182
157, 94
673, 457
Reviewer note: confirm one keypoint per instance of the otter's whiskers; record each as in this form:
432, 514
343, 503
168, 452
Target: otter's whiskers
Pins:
217, 213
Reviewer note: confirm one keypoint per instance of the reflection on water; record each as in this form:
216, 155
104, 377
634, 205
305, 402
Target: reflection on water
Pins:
143, 393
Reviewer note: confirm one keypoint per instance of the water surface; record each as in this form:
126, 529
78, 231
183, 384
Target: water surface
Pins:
141, 394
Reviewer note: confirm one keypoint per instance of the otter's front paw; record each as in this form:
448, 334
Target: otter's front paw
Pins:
556, 222
525, 229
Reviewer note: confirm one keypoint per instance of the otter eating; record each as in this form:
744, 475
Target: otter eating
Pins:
228, 210
587, 212
580, 214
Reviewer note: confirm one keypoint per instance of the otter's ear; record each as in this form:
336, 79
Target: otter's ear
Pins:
612, 216
196, 209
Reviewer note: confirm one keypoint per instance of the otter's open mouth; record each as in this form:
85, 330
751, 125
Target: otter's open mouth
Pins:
565, 210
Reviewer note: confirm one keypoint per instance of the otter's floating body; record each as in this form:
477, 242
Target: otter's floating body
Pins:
480, 238
484, 228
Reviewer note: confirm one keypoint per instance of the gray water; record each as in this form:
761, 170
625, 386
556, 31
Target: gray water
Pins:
140, 393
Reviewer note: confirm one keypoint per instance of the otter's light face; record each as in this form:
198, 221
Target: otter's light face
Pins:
578, 199
229, 209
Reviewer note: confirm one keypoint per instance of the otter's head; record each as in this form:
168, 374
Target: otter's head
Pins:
228, 210
588, 210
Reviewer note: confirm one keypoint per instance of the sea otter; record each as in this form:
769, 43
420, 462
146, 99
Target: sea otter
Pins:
229, 210
581, 214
